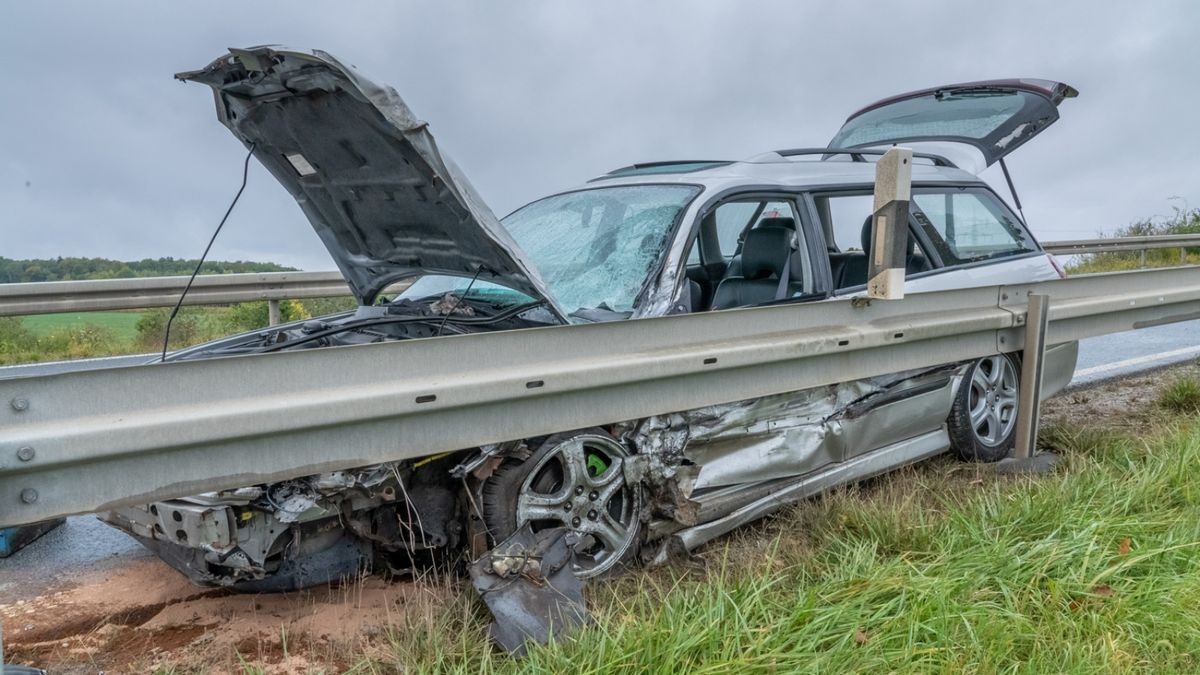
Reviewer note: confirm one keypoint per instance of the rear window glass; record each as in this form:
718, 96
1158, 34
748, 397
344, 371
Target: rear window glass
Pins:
967, 114
967, 225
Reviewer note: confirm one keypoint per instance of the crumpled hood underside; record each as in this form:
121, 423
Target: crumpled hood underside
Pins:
366, 172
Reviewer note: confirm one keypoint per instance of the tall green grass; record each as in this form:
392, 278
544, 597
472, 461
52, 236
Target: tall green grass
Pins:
941, 569
1182, 221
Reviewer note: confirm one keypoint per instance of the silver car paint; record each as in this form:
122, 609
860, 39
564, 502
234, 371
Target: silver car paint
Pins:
714, 468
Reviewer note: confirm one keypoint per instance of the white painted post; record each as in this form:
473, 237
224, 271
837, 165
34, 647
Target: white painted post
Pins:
888, 256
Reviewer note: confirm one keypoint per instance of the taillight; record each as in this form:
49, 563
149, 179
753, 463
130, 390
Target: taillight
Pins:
1062, 273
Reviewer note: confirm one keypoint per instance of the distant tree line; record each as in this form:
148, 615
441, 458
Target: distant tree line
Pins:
65, 269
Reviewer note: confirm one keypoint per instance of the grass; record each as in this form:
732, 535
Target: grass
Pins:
1182, 221
52, 337
1096, 263
1181, 396
943, 568
122, 325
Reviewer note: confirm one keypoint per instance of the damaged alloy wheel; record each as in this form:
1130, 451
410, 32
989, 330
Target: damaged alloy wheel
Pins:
574, 480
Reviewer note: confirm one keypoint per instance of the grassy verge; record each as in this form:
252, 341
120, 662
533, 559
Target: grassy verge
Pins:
1184, 221
54, 337
941, 568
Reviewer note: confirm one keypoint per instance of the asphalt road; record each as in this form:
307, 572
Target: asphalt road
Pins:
84, 544
1121, 354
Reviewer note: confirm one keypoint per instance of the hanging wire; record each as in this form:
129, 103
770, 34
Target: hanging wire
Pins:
199, 263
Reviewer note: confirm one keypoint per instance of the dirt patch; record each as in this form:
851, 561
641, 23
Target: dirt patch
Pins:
147, 615
1125, 404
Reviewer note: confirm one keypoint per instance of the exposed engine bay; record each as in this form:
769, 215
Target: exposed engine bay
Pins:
402, 319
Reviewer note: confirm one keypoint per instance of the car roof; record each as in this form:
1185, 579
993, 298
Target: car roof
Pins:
774, 170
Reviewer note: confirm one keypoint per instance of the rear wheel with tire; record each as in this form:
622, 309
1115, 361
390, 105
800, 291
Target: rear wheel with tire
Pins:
576, 480
983, 420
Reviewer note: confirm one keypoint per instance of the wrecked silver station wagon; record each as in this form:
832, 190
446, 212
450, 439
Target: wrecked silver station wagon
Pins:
789, 226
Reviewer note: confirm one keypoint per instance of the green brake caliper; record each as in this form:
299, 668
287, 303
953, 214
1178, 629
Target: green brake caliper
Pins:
596, 465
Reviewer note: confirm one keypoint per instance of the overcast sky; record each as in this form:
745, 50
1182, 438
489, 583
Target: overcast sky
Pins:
102, 153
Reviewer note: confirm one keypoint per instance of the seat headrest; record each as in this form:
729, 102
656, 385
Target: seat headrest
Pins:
866, 239
766, 250
778, 221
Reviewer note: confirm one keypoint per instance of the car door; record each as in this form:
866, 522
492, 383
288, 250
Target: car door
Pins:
775, 436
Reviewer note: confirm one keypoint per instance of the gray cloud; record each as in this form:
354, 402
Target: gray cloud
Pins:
103, 154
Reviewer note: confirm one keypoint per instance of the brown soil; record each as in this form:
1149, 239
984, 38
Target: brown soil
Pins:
146, 615
1124, 404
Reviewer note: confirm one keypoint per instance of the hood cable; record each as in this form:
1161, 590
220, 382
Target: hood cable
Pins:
458, 302
199, 263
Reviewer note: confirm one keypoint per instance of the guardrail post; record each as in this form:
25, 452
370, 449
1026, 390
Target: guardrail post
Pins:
272, 312
1182, 255
1029, 399
1143, 257
889, 225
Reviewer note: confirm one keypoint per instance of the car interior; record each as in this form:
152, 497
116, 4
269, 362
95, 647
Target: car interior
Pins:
750, 252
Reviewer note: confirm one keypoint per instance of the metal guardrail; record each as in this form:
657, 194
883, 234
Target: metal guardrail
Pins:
89, 441
140, 293
1121, 244
50, 297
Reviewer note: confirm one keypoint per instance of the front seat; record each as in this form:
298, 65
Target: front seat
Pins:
768, 270
735, 265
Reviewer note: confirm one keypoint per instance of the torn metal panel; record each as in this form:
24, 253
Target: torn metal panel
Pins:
903, 410
528, 584
706, 463
775, 436
770, 437
859, 468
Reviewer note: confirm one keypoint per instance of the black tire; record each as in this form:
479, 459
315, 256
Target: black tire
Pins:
982, 423
502, 492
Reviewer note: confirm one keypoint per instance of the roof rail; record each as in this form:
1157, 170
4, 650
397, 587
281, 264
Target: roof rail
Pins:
857, 154
669, 166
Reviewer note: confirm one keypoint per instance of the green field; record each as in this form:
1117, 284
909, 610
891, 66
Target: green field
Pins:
122, 324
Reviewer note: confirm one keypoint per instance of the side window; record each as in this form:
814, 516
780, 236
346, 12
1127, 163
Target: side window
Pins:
768, 251
844, 218
968, 225
734, 219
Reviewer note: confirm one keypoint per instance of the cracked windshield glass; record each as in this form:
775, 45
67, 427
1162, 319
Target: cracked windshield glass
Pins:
595, 248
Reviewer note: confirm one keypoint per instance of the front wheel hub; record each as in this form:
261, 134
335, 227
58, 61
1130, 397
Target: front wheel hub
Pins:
581, 484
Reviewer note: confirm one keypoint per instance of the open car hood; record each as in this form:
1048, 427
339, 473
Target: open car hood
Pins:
366, 172
993, 116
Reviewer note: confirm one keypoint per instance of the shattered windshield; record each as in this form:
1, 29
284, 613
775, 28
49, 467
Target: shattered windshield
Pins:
595, 248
